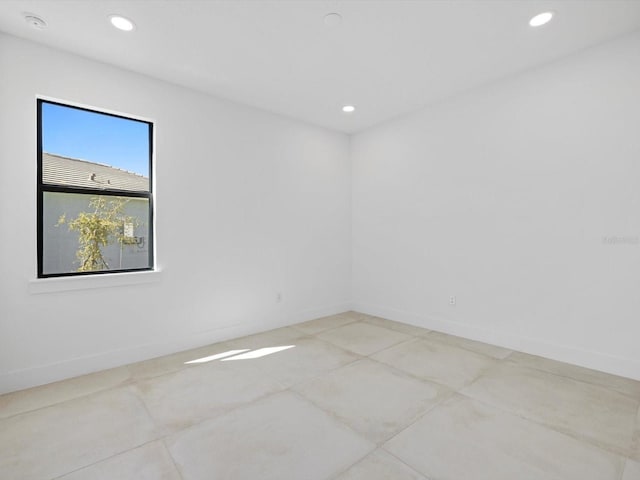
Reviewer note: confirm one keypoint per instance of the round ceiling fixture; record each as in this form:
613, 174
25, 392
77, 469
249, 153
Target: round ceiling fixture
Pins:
541, 19
121, 23
35, 21
348, 109
332, 19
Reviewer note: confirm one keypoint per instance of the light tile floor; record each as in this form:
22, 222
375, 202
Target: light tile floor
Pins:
354, 397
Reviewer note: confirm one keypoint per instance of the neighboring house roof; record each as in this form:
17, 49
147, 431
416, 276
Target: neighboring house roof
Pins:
72, 172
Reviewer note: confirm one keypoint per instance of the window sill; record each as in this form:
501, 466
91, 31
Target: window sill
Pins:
107, 280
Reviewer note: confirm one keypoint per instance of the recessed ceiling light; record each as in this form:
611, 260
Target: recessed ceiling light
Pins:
541, 19
332, 19
35, 21
348, 109
121, 23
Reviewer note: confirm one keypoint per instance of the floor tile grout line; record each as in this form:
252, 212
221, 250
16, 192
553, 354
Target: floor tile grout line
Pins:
446, 393
455, 347
284, 388
497, 364
157, 428
624, 467
569, 377
424, 475
345, 350
449, 387
301, 335
399, 329
309, 401
636, 435
104, 459
368, 354
427, 335
483, 373
323, 372
413, 376
173, 460
323, 330
120, 386
566, 433
408, 340
262, 398
447, 390
317, 334
365, 322
446, 397
54, 404
430, 337
345, 425
168, 432
176, 431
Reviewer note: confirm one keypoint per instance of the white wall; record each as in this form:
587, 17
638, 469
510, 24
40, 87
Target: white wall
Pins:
502, 197
248, 204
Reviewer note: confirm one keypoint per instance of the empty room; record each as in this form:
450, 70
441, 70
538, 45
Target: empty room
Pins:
320, 239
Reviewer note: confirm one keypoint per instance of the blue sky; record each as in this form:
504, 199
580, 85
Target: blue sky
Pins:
96, 137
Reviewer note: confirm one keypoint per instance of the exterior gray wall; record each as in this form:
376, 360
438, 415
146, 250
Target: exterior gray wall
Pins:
61, 244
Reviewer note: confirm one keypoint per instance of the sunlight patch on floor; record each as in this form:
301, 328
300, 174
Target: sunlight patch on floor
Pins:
242, 354
261, 352
216, 356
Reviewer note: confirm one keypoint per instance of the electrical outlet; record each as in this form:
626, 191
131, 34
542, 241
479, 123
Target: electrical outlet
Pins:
452, 300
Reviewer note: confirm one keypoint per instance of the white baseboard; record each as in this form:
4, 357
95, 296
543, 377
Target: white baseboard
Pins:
623, 367
40, 375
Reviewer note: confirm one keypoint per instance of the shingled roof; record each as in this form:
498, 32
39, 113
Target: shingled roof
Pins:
72, 172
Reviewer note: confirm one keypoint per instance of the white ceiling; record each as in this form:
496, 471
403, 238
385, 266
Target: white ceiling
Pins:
387, 57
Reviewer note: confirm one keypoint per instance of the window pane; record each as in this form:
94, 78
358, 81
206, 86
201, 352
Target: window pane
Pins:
85, 233
82, 148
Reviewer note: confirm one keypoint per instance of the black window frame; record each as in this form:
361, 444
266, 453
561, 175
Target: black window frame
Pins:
42, 188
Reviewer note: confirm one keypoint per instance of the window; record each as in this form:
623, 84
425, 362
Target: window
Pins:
95, 202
